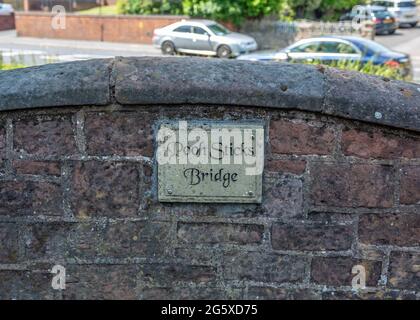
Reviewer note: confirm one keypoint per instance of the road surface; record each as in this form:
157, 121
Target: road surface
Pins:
408, 41
33, 51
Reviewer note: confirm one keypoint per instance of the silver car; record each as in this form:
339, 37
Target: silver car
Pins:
204, 37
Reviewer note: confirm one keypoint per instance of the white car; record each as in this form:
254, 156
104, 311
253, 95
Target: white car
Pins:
204, 37
404, 10
6, 9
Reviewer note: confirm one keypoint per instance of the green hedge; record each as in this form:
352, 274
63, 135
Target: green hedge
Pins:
394, 73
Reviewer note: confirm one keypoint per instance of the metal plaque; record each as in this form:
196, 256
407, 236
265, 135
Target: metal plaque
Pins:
220, 162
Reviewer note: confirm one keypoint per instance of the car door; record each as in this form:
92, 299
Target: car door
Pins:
201, 39
182, 37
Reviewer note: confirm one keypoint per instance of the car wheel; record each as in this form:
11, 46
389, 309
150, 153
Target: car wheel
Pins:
224, 52
168, 48
413, 25
392, 31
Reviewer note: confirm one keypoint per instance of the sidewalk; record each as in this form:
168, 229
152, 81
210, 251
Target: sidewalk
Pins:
32, 51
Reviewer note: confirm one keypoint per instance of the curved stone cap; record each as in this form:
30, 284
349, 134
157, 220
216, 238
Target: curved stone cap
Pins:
151, 81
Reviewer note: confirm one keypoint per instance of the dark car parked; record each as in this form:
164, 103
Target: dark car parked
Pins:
328, 49
383, 20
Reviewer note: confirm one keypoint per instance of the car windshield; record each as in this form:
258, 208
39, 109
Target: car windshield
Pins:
407, 4
382, 3
381, 14
218, 29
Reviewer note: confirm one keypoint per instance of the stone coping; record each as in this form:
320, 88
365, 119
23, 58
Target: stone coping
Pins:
189, 80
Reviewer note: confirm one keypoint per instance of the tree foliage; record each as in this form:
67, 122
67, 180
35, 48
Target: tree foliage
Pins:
237, 10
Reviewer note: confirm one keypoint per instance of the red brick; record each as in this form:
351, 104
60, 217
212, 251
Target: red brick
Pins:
337, 271
283, 197
404, 271
30, 198
105, 189
8, 243
311, 236
37, 167
109, 282
290, 166
352, 185
378, 145
53, 137
410, 185
27, 285
287, 137
97, 28
123, 134
220, 233
390, 229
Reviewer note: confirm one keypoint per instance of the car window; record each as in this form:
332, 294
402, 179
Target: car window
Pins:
184, 29
382, 3
309, 47
336, 47
199, 30
407, 4
218, 29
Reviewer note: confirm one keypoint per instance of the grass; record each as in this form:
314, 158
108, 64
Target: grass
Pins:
104, 10
10, 66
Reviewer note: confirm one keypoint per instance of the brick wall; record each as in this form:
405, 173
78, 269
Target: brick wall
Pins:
78, 188
7, 22
133, 29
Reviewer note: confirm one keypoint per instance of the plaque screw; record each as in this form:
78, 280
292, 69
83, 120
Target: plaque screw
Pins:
250, 193
169, 191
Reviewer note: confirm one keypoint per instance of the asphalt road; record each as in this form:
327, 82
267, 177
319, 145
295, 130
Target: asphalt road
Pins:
32, 51
405, 40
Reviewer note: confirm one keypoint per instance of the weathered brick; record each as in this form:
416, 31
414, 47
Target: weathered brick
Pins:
337, 271
286, 166
265, 267
216, 233
410, 185
352, 185
404, 271
97, 239
368, 295
9, 246
53, 137
105, 189
123, 134
190, 293
288, 137
52, 168
20, 198
311, 236
168, 274
101, 282
283, 197
26, 285
270, 293
378, 145
390, 229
